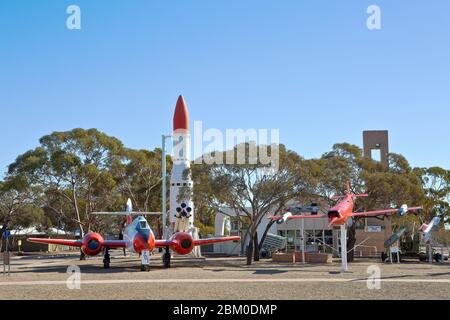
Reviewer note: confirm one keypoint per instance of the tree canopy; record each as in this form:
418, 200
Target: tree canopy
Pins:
73, 173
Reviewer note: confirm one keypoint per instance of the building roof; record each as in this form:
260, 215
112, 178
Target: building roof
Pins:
35, 232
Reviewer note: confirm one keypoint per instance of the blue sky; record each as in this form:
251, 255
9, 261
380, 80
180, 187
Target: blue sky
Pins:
309, 68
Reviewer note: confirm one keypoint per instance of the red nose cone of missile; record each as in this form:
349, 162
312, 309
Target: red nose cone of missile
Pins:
181, 117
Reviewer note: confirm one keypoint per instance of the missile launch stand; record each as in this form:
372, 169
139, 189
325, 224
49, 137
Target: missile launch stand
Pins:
432, 245
196, 253
167, 253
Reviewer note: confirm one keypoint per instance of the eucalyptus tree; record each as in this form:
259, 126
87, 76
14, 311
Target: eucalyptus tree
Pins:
139, 178
74, 166
436, 185
387, 186
17, 205
249, 186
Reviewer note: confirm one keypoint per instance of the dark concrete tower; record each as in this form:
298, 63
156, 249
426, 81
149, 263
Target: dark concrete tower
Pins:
376, 140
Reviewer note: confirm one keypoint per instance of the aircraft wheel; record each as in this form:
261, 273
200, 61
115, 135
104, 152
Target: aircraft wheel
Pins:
106, 259
437, 257
106, 262
422, 257
82, 256
145, 268
166, 260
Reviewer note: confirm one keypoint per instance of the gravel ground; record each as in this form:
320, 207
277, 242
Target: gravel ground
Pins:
45, 277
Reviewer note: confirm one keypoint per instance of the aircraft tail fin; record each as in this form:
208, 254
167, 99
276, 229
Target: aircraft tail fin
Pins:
348, 192
126, 213
129, 213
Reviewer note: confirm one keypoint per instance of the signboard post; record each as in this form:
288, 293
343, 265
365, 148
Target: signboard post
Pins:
6, 263
6, 254
145, 257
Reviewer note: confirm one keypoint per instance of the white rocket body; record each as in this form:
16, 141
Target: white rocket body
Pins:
181, 209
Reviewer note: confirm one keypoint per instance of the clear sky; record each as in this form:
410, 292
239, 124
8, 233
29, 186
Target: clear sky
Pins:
310, 68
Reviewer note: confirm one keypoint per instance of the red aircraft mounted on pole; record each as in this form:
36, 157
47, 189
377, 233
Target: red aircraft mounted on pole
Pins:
342, 212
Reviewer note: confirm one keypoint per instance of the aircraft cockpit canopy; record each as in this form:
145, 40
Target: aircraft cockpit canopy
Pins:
143, 224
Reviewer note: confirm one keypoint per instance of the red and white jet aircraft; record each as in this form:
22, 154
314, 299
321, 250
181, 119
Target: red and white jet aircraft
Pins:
343, 211
138, 238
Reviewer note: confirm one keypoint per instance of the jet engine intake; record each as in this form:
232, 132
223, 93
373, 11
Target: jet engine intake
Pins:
92, 244
183, 243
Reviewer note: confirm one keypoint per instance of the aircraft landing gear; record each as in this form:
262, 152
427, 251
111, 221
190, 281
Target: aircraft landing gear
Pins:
166, 258
106, 259
145, 268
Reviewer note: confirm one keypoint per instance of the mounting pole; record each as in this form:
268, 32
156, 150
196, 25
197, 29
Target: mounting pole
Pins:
344, 267
164, 186
430, 253
303, 241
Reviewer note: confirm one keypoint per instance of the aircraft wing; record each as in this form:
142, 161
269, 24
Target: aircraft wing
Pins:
201, 242
62, 242
114, 243
317, 216
78, 243
382, 212
132, 213
311, 216
163, 243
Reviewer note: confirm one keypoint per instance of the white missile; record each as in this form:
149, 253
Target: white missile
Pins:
181, 210
428, 229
